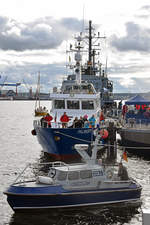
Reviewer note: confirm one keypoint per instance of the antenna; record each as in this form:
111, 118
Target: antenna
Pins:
106, 65
106, 59
83, 19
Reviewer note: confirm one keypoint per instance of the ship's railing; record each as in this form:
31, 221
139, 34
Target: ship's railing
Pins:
137, 123
45, 124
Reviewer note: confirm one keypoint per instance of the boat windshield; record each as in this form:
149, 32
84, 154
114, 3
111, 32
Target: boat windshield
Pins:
74, 175
62, 175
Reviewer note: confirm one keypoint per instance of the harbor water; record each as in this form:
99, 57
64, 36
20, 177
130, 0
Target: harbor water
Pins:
18, 147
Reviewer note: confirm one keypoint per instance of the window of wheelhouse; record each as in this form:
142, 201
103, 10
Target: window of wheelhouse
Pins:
59, 104
88, 105
73, 105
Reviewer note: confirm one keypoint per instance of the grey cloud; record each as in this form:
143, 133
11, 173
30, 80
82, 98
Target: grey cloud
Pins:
143, 12
145, 7
137, 39
51, 75
72, 23
117, 68
140, 85
43, 33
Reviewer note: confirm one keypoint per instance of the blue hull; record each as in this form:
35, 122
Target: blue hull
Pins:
21, 198
59, 142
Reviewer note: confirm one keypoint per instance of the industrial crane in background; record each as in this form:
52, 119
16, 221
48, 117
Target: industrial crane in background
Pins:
29, 89
9, 84
24, 95
12, 85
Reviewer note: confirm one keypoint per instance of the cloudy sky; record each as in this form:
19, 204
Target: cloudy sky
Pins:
34, 36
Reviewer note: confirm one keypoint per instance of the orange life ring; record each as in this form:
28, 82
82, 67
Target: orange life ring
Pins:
104, 133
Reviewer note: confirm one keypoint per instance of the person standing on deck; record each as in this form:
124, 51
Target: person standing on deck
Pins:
64, 119
48, 118
122, 172
92, 121
101, 118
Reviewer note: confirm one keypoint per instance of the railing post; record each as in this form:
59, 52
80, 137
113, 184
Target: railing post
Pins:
140, 123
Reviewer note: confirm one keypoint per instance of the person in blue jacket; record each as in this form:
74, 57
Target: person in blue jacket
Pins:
92, 121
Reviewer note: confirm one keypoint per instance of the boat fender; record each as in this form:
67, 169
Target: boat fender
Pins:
33, 132
109, 173
44, 180
52, 172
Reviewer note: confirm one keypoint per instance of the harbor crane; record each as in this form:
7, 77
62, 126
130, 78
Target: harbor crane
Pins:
9, 84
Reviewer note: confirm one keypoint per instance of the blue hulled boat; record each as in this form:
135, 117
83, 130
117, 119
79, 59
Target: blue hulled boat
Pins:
89, 183
59, 143
78, 98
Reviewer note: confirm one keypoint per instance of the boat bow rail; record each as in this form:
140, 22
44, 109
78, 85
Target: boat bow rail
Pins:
45, 124
33, 170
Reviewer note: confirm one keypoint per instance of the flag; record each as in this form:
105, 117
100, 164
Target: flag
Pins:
124, 156
55, 117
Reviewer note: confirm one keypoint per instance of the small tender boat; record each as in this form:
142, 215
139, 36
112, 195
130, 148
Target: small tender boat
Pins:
39, 110
72, 185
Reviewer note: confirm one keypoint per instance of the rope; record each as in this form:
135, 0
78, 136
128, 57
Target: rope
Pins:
79, 139
105, 145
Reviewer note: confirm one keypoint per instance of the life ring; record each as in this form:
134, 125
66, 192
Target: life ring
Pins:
52, 172
109, 173
33, 132
104, 133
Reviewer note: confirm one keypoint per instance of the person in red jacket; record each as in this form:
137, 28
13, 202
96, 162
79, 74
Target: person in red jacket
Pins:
48, 118
124, 110
64, 119
101, 118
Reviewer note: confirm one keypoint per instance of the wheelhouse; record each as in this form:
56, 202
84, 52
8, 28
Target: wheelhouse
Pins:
76, 98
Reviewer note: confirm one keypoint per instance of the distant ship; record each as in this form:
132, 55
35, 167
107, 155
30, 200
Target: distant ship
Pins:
92, 71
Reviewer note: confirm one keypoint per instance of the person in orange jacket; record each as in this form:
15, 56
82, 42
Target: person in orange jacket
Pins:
64, 119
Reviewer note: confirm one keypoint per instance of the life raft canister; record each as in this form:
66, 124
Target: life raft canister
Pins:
104, 133
33, 132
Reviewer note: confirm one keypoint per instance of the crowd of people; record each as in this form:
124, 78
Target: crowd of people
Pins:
81, 122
